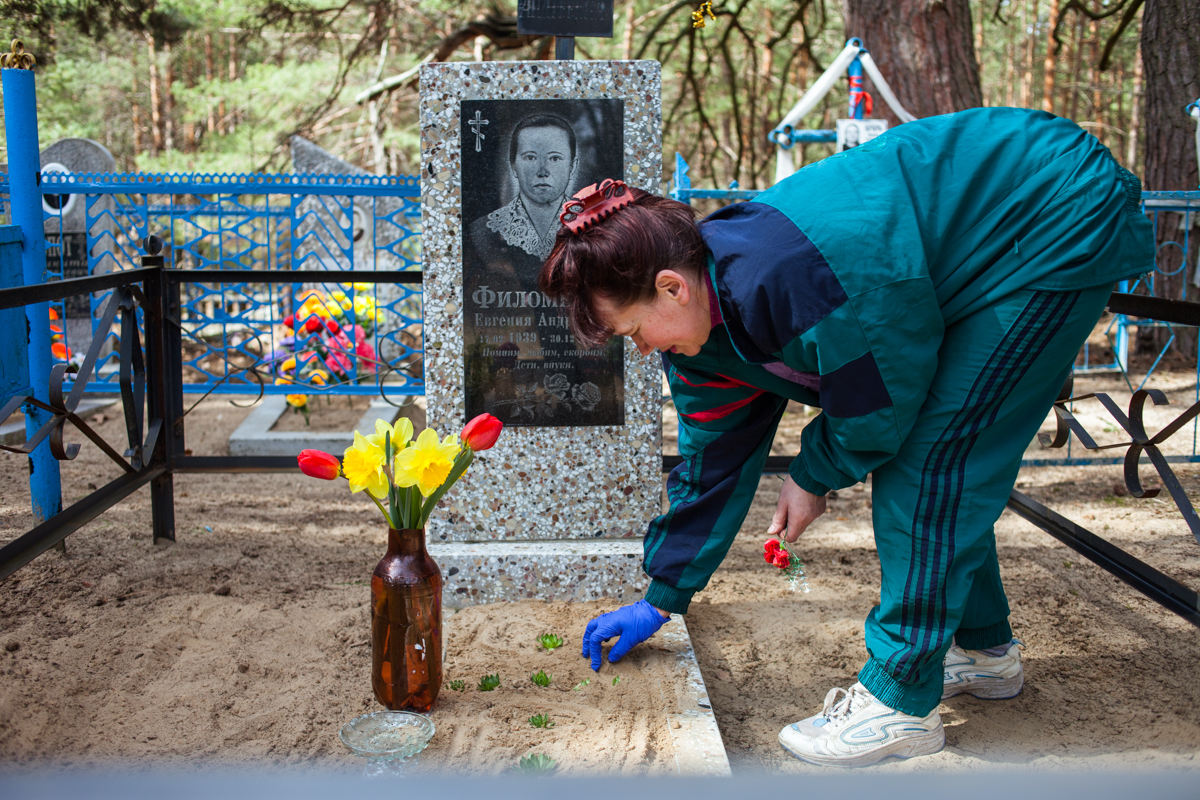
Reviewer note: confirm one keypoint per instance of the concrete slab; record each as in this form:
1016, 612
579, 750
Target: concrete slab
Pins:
254, 436
491, 572
13, 433
699, 748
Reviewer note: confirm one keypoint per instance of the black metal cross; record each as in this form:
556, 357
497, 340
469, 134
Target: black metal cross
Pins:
475, 127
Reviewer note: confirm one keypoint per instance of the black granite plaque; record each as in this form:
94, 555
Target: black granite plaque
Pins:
565, 18
521, 159
72, 260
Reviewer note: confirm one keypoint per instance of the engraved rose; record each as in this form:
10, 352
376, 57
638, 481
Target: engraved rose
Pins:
558, 385
586, 395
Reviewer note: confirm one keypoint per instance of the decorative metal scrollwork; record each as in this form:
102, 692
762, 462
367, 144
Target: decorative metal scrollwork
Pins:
1140, 441
126, 300
18, 58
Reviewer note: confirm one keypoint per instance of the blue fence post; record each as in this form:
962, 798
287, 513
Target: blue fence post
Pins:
25, 198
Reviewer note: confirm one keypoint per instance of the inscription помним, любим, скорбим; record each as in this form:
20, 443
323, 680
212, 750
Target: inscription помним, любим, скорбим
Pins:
521, 159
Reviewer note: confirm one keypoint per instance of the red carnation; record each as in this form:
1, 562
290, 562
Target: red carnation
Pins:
312, 324
770, 549
289, 321
782, 560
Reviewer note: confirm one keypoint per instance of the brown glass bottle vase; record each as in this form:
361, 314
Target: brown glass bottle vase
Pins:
406, 624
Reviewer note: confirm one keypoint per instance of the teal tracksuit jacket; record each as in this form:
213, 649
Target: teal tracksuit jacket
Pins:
928, 290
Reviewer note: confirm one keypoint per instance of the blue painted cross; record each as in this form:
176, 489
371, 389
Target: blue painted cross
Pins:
475, 127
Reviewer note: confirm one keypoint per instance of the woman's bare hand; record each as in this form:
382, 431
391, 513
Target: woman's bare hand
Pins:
795, 511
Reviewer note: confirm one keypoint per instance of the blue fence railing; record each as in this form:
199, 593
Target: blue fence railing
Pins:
320, 336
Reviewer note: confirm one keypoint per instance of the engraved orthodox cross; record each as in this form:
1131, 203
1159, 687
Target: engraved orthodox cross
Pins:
477, 129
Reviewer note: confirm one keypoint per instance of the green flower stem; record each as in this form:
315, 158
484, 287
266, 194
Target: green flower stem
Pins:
383, 511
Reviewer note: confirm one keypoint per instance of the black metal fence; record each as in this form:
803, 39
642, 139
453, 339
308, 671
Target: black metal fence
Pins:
151, 386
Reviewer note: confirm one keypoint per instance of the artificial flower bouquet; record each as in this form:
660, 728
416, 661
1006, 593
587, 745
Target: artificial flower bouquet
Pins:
777, 554
403, 476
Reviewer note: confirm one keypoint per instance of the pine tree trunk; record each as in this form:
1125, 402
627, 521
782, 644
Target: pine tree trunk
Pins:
925, 50
1170, 46
1171, 58
627, 41
1009, 68
231, 125
156, 132
1094, 80
1076, 67
209, 71
169, 99
136, 108
1135, 122
1050, 62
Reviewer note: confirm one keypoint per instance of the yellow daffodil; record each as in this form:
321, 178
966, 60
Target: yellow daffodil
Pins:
401, 434
362, 464
362, 287
297, 400
318, 378
288, 365
427, 462
282, 382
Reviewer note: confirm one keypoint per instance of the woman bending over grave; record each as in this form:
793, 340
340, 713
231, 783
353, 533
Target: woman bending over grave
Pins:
929, 291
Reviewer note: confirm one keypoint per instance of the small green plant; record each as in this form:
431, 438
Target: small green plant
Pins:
582, 684
541, 721
489, 682
549, 641
541, 678
616, 679
457, 686
536, 765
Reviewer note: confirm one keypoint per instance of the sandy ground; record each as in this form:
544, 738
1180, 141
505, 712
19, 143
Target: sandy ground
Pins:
243, 642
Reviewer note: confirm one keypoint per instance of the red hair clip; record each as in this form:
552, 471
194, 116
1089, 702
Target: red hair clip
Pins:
594, 203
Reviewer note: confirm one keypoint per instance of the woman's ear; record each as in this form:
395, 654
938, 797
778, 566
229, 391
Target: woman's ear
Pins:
673, 286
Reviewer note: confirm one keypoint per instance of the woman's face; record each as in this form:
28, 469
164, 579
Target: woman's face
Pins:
543, 164
675, 321
851, 135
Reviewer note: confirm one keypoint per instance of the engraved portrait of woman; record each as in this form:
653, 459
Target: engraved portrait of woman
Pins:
521, 160
542, 162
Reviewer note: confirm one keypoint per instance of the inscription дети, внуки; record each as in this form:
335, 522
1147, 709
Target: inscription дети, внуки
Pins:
521, 159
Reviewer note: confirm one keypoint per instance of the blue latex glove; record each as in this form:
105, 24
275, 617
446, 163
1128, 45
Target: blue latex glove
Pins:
634, 624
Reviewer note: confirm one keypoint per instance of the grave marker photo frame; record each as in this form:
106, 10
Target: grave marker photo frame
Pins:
588, 464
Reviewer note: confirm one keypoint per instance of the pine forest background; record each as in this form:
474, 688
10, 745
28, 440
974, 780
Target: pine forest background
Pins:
220, 85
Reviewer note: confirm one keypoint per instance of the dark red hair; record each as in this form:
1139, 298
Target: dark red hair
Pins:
619, 259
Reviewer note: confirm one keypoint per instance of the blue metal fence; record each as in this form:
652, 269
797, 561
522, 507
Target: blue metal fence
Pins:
321, 336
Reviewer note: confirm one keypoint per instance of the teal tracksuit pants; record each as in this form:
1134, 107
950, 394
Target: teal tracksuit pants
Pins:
934, 504
929, 291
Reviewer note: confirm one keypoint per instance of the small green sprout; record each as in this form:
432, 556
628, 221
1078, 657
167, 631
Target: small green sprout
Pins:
616, 679
582, 684
457, 686
541, 678
549, 641
489, 682
536, 765
541, 721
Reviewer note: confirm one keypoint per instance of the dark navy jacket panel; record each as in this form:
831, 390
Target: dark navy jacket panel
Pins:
770, 278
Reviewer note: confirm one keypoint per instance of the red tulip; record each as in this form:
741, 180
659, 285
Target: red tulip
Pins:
312, 324
289, 321
317, 464
481, 432
332, 326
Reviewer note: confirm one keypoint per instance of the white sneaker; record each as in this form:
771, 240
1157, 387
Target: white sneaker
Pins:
976, 673
857, 730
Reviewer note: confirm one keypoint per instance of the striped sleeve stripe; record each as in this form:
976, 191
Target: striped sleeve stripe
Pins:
723, 411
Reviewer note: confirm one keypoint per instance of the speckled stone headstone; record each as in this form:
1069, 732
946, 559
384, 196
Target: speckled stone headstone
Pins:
543, 482
68, 225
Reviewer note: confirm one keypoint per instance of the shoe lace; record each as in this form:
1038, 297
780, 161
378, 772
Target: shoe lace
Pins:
837, 708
